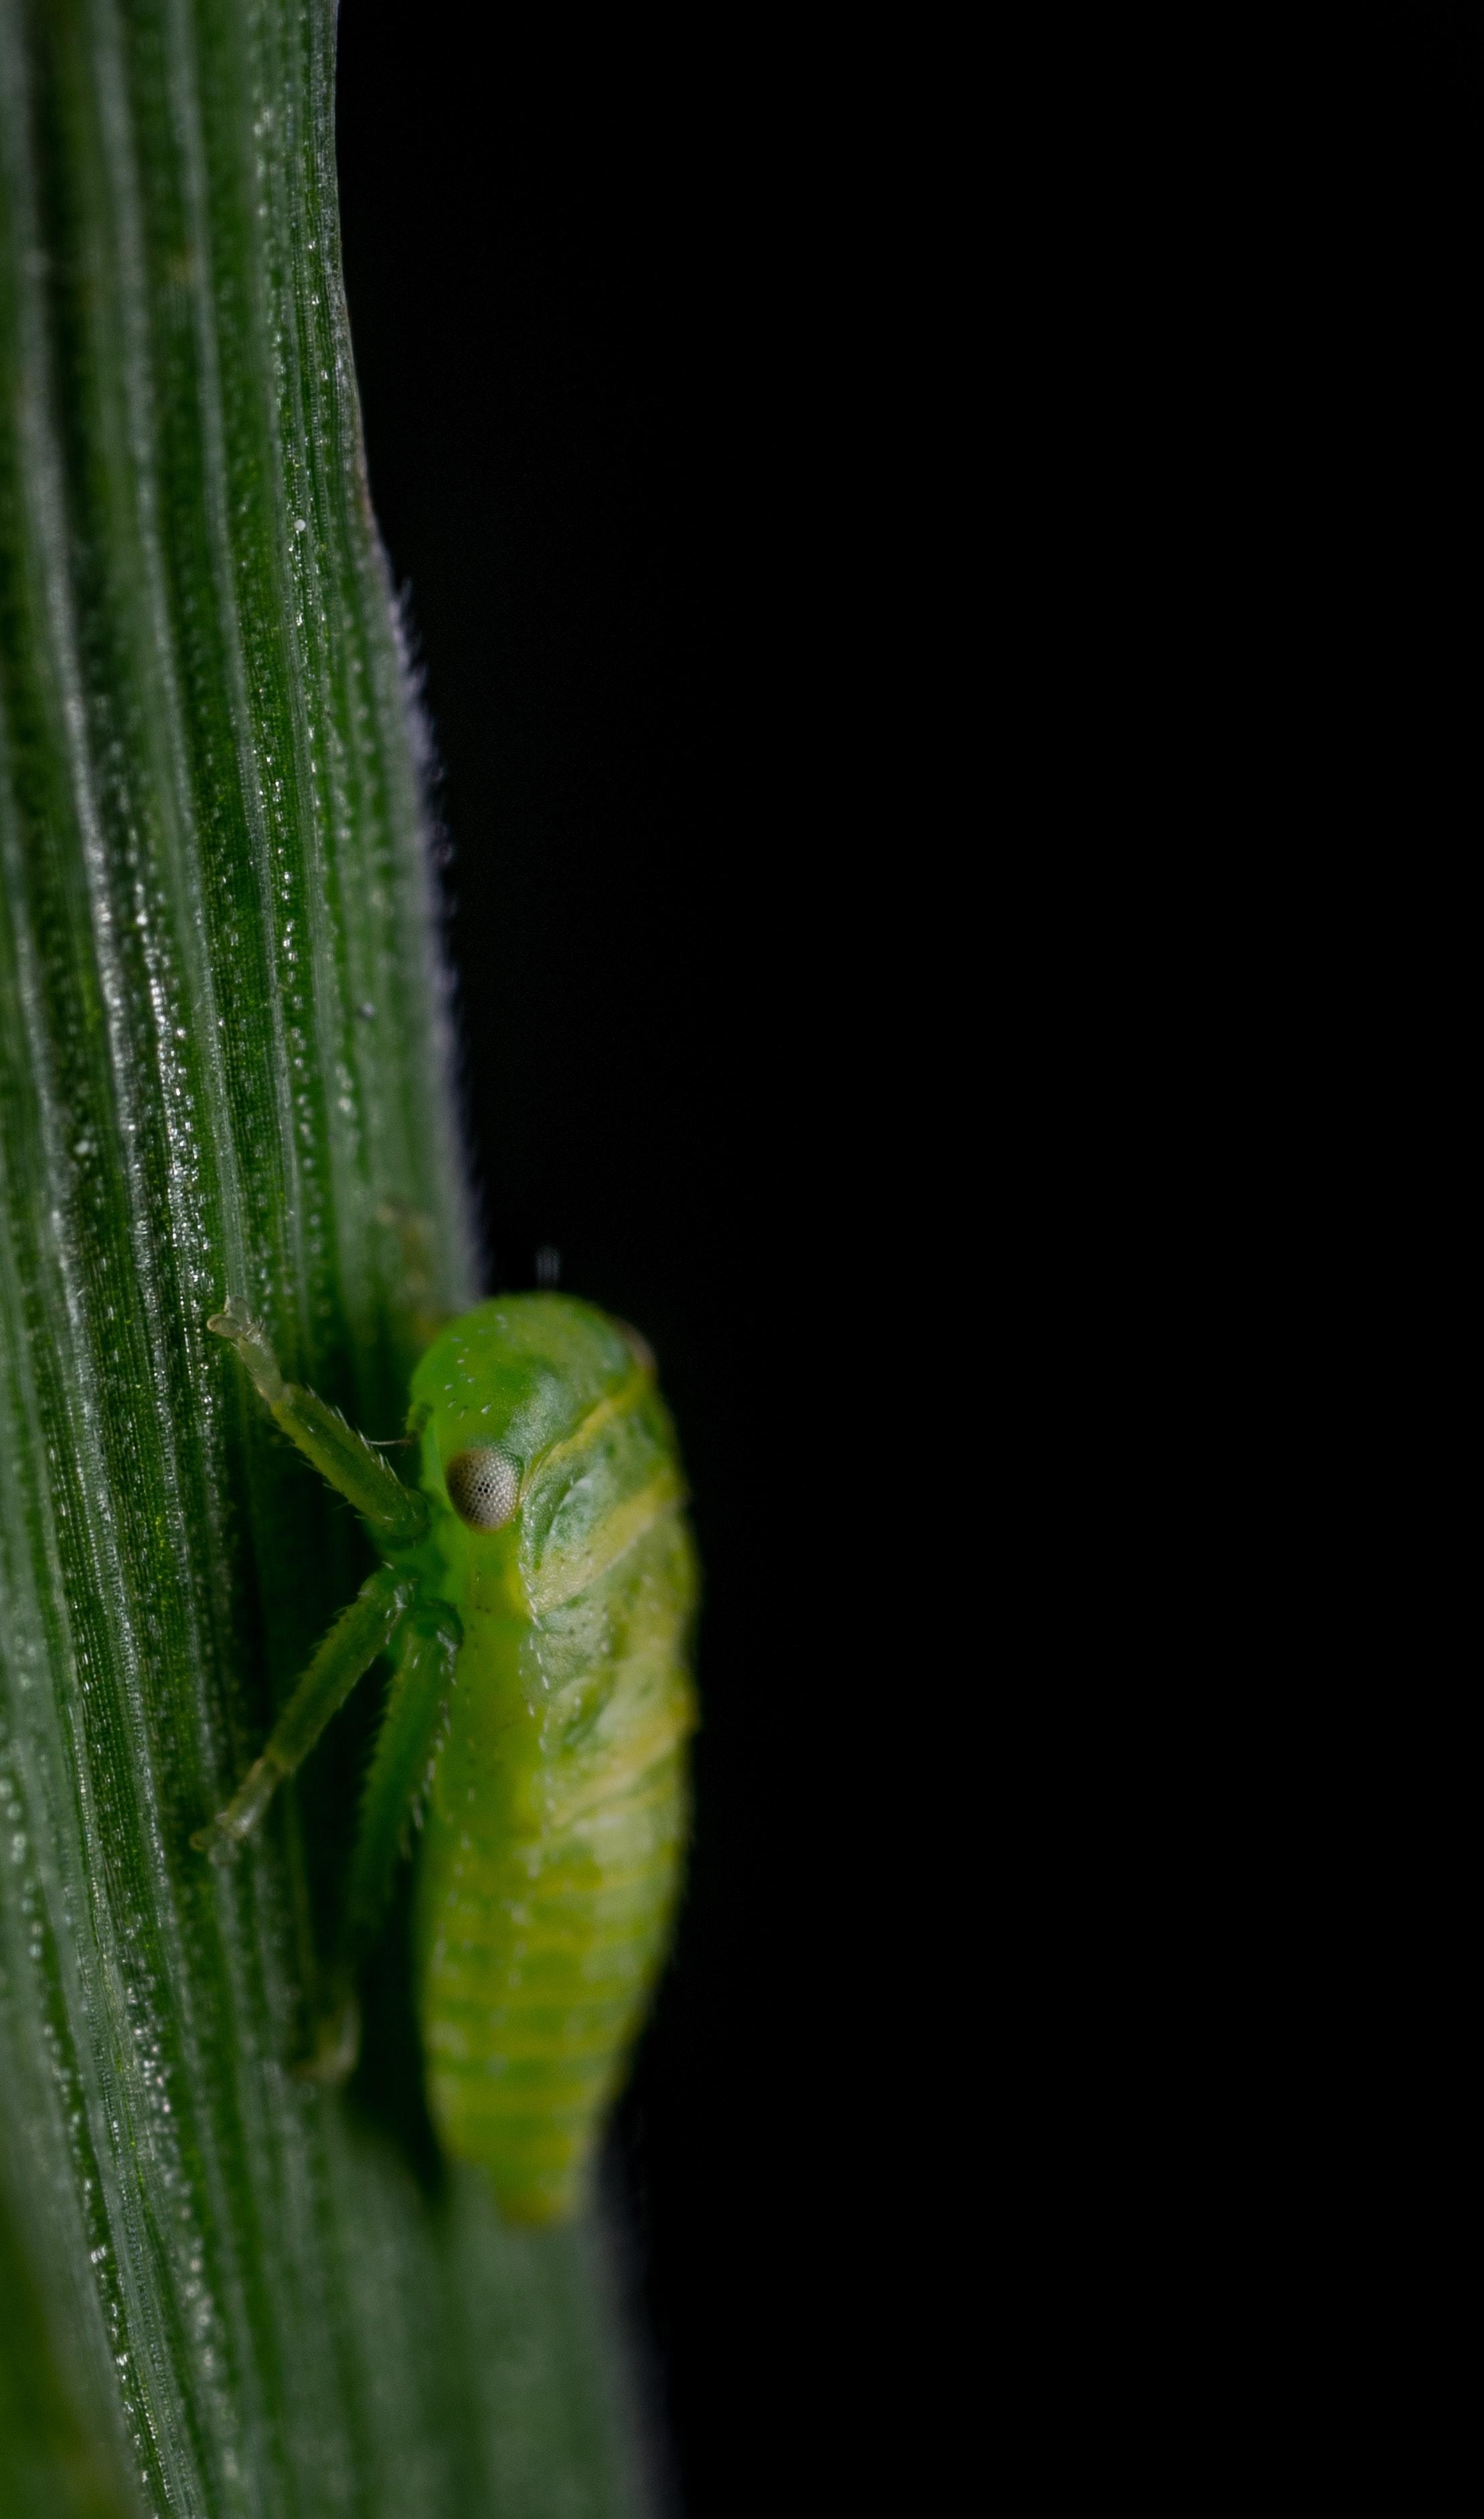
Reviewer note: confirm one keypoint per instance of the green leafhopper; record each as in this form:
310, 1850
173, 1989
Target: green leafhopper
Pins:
536, 1589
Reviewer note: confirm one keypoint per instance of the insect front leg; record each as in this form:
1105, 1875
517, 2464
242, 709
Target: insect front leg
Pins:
347, 1653
397, 1516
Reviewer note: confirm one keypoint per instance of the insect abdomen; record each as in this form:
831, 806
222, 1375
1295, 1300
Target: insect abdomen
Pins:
530, 2024
559, 1815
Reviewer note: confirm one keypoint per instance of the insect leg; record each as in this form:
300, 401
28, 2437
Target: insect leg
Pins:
397, 1515
407, 1745
401, 1770
352, 1645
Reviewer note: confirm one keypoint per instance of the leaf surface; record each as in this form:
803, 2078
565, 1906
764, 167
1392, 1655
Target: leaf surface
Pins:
223, 1071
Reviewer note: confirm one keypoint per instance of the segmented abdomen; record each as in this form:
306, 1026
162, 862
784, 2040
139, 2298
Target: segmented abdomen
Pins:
552, 1862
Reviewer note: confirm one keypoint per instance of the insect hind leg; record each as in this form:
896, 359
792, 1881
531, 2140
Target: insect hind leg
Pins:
401, 1773
412, 1731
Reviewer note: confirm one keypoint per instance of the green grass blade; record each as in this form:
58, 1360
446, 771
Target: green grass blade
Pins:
221, 1071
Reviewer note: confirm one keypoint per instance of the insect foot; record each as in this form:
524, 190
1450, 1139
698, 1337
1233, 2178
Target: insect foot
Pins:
337, 2044
223, 1836
236, 1322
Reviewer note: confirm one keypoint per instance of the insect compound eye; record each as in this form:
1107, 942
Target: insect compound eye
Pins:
484, 1488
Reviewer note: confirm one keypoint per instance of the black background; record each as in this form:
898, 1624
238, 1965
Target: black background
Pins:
816, 605
584, 347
